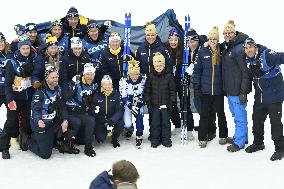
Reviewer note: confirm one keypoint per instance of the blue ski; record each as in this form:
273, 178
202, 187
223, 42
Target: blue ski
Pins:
127, 31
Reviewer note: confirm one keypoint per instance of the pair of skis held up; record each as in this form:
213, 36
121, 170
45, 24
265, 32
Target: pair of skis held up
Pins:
126, 51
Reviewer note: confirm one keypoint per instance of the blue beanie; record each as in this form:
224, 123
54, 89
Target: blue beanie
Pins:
2, 37
23, 40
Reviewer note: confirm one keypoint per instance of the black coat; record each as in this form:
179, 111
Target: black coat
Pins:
235, 74
160, 89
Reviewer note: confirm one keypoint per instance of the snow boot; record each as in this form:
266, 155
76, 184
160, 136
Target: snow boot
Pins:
233, 148
89, 150
222, 141
278, 155
6, 154
254, 148
202, 144
139, 142
168, 145
129, 133
115, 143
68, 147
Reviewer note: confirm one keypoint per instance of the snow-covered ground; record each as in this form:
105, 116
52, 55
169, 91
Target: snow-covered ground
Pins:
179, 167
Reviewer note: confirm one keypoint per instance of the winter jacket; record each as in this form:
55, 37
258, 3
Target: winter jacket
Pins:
111, 107
80, 30
72, 65
235, 75
206, 74
82, 94
129, 89
47, 106
18, 73
266, 73
94, 48
62, 42
3, 61
111, 65
102, 181
40, 63
160, 90
145, 53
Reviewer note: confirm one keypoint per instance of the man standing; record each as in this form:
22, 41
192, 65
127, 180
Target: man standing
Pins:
264, 67
236, 83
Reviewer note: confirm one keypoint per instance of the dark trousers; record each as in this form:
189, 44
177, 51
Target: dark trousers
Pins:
160, 126
42, 143
83, 126
211, 104
11, 126
260, 112
101, 130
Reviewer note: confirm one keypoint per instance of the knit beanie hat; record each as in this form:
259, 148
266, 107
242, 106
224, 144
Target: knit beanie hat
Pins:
72, 12
214, 33
50, 40
133, 65
23, 40
229, 27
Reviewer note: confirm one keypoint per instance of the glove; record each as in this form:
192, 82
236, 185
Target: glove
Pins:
127, 58
109, 125
36, 84
76, 79
12, 105
97, 109
243, 98
135, 111
129, 105
139, 105
108, 24
189, 69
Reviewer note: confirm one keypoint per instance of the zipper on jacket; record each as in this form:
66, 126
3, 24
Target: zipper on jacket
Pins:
106, 107
77, 67
260, 91
118, 65
212, 78
149, 51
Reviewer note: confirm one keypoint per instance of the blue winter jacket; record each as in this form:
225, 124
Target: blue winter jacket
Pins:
267, 76
82, 95
207, 75
94, 48
47, 106
14, 68
3, 61
111, 107
145, 55
102, 181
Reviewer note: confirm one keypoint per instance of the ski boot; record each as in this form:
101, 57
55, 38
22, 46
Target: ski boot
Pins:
129, 133
115, 143
278, 155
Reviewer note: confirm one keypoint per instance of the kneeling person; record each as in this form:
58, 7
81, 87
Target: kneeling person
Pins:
108, 111
49, 118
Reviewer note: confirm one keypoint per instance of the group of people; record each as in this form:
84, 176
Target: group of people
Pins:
68, 85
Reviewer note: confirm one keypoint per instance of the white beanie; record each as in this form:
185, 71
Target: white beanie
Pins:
76, 42
106, 78
89, 68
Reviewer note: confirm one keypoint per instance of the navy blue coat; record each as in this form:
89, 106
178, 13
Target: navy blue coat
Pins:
111, 107
206, 75
42, 99
12, 71
267, 76
102, 181
3, 60
82, 94
94, 48
145, 55
71, 65
111, 65
236, 78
